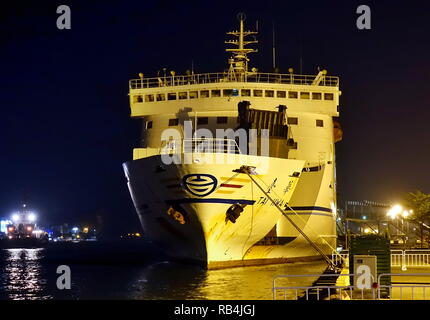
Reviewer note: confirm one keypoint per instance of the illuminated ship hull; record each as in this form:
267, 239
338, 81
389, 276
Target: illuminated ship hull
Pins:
204, 212
191, 222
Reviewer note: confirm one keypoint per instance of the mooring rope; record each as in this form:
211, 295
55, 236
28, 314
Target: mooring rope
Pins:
305, 222
314, 245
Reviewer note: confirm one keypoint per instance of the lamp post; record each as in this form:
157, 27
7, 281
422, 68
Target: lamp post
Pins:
395, 212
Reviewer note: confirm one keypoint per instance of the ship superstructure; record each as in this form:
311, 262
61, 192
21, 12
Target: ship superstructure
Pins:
186, 182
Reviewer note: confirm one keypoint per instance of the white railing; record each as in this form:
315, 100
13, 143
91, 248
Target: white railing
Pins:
411, 290
199, 145
405, 290
346, 292
338, 257
410, 258
399, 258
181, 80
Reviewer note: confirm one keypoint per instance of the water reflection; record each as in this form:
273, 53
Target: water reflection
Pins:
174, 281
31, 274
21, 275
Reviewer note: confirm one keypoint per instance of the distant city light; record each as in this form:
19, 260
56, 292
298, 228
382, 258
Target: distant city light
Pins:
367, 230
15, 217
75, 229
364, 217
4, 224
32, 217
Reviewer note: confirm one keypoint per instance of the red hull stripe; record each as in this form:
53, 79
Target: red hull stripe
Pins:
231, 185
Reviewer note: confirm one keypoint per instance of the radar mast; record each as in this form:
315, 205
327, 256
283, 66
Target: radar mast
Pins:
238, 63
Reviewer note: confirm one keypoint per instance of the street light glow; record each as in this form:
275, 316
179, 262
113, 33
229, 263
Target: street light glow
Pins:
397, 210
394, 211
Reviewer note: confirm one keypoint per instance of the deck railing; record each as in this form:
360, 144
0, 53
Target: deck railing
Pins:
200, 145
182, 80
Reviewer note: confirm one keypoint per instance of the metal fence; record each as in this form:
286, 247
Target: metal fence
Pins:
418, 289
322, 292
410, 258
399, 258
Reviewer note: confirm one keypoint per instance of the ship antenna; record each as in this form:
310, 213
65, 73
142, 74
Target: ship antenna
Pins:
239, 60
301, 55
273, 47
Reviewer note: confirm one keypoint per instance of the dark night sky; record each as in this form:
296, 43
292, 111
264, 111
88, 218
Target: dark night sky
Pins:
65, 127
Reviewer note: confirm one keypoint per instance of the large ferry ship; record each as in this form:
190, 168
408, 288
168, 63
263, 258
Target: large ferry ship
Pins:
236, 168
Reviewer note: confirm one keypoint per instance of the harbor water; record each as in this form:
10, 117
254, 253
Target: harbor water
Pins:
131, 271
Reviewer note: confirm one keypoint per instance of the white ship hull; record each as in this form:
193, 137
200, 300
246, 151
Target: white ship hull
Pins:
202, 233
188, 208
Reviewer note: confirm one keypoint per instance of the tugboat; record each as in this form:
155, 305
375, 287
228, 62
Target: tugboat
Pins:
23, 231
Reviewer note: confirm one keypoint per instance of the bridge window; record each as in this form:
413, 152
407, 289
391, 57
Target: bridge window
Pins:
161, 97
221, 120
258, 93
227, 92
293, 120
316, 96
246, 92
202, 120
328, 96
204, 94
304, 95
171, 96
149, 125
281, 94
137, 98
320, 123
292, 94
270, 93
182, 95
194, 94
149, 98
173, 122
216, 93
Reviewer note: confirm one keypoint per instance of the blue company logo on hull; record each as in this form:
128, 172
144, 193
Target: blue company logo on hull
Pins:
199, 185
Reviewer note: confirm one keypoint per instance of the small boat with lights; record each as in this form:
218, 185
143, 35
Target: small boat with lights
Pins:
22, 230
